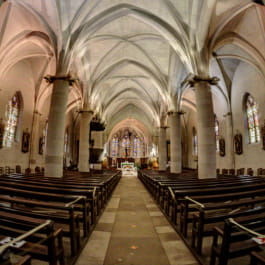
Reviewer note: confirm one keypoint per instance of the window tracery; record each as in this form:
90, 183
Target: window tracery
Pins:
12, 118
252, 120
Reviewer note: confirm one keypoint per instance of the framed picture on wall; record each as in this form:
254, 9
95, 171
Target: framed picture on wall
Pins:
2, 130
25, 141
238, 143
222, 147
41, 145
262, 132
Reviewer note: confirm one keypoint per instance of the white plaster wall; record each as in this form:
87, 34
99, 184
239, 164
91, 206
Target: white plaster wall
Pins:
248, 80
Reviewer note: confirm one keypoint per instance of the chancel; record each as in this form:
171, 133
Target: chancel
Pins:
132, 132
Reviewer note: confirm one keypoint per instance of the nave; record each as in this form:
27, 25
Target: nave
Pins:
133, 231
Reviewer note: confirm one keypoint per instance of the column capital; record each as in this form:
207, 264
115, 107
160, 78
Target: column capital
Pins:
180, 112
86, 111
67, 78
227, 114
197, 79
163, 127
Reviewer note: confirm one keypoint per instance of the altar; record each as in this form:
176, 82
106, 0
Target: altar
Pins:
128, 169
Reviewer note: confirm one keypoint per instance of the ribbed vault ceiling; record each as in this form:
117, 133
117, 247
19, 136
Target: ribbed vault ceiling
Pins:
129, 56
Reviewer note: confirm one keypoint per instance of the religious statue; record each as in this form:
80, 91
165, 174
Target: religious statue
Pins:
41, 145
238, 143
25, 141
262, 132
2, 130
222, 147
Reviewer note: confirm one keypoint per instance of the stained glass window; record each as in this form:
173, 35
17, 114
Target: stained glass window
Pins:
194, 142
136, 146
11, 117
252, 120
115, 146
217, 133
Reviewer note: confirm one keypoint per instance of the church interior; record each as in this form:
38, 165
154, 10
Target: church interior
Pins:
132, 132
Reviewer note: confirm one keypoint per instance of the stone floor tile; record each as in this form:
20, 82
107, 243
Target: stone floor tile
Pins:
107, 217
155, 213
178, 253
136, 251
164, 229
95, 249
113, 203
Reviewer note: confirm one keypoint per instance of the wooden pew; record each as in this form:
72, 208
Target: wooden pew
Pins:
89, 194
26, 260
235, 238
79, 202
215, 198
43, 242
62, 214
257, 258
214, 193
209, 215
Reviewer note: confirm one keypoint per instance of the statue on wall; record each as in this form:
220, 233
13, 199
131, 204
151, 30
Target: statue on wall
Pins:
262, 132
41, 145
25, 141
2, 130
222, 147
238, 143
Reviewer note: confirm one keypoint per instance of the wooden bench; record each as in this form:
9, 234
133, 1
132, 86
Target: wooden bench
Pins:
257, 258
43, 242
62, 214
233, 241
89, 194
212, 214
79, 202
177, 196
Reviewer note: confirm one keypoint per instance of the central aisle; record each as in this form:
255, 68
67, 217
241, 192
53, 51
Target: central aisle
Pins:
133, 231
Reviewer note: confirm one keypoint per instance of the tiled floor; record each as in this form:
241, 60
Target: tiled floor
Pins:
133, 231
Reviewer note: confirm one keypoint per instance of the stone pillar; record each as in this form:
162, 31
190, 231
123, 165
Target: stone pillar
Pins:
229, 141
86, 117
34, 147
206, 132
56, 126
162, 148
175, 142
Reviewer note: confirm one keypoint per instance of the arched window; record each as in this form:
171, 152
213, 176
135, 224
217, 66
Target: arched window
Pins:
12, 117
114, 146
136, 146
252, 120
194, 142
217, 134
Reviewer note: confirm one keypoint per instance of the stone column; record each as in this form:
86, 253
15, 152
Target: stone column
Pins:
162, 148
206, 132
229, 141
34, 147
175, 142
56, 126
86, 117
